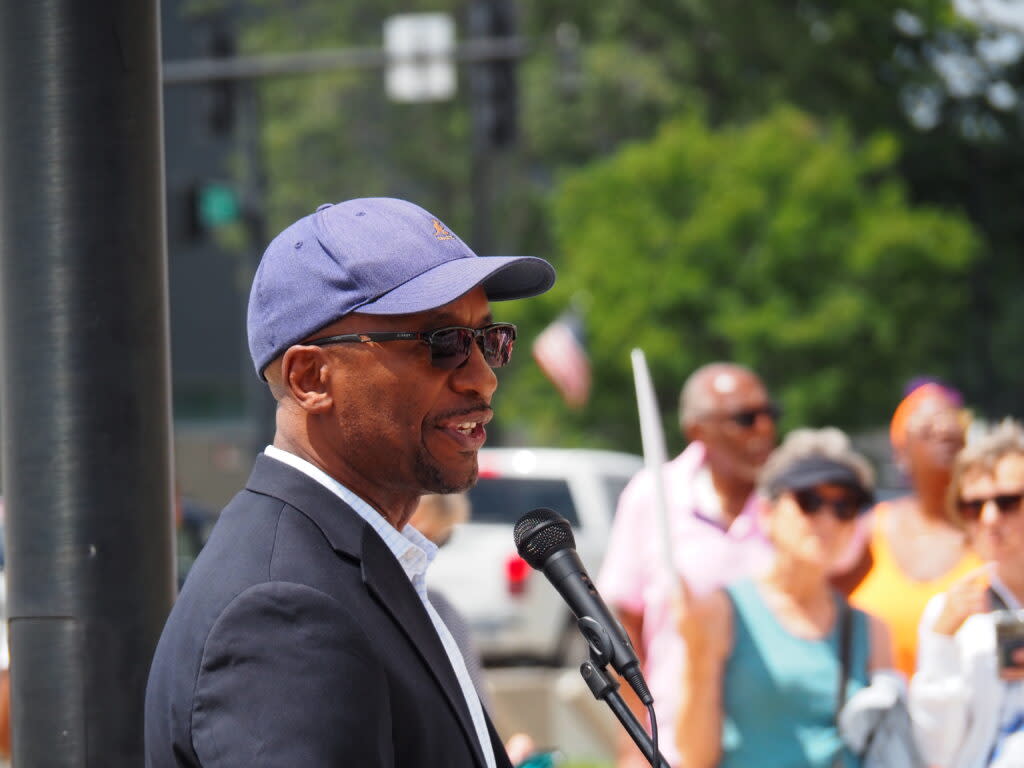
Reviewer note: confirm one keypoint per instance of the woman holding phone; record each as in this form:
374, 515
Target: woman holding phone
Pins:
967, 695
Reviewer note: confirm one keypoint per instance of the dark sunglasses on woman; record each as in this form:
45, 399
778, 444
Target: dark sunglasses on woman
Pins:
1006, 503
845, 507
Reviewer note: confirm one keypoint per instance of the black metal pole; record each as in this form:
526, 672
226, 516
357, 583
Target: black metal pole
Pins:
481, 190
261, 409
86, 404
483, 115
607, 690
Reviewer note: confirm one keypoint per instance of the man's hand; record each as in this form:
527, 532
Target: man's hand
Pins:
519, 747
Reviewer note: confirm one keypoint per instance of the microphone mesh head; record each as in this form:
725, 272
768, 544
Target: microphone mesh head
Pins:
541, 533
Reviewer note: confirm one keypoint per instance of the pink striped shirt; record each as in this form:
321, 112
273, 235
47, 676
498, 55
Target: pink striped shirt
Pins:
634, 578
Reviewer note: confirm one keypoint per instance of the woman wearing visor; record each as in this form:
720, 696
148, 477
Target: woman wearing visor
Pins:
967, 696
761, 680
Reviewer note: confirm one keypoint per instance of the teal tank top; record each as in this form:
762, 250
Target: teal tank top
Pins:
780, 690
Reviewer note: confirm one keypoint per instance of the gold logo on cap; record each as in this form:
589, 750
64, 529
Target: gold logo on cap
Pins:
440, 232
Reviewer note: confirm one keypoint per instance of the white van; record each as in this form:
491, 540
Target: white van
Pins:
514, 614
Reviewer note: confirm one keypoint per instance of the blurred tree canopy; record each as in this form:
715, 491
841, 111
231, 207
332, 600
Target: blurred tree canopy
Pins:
949, 89
839, 261
780, 242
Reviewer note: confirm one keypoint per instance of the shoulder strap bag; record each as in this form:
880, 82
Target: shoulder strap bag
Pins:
845, 639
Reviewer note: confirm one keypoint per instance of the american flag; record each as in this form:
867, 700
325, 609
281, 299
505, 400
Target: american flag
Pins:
559, 351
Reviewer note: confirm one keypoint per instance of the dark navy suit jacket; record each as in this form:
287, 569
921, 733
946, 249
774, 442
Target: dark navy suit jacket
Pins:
299, 641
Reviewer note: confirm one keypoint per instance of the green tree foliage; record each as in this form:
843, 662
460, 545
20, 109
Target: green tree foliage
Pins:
782, 243
949, 90
915, 71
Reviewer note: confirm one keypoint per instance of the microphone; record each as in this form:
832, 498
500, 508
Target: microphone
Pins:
544, 540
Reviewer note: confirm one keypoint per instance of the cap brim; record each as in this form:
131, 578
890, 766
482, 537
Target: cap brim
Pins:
502, 277
823, 475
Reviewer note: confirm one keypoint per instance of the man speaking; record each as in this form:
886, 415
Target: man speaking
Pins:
303, 635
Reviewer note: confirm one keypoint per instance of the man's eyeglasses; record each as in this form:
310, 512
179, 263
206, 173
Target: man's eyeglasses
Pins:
449, 347
1006, 503
846, 507
748, 417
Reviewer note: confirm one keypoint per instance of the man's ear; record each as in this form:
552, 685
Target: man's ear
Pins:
305, 375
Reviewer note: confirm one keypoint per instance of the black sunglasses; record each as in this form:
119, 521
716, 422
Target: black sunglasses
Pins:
1006, 503
449, 347
748, 418
845, 508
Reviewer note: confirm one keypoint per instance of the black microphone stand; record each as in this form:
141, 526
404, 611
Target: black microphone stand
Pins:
604, 688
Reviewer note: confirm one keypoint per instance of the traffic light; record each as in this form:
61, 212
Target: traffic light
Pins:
210, 202
220, 94
215, 204
210, 205
493, 85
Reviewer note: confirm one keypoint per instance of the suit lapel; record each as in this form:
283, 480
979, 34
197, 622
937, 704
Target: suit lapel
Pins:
392, 589
350, 535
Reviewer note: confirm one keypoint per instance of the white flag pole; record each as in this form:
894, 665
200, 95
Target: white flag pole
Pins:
653, 439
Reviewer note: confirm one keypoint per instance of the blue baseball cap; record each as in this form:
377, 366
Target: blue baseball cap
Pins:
375, 255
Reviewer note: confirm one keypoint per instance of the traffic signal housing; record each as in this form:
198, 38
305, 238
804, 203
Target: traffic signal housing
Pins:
493, 83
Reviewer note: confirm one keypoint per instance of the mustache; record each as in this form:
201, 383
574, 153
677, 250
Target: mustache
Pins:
474, 410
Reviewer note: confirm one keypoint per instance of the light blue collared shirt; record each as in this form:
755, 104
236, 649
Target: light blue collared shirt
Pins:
414, 553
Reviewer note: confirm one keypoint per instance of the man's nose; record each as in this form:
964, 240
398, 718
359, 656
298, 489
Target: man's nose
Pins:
765, 422
475, 375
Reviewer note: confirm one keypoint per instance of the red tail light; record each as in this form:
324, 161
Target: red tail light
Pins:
517, 571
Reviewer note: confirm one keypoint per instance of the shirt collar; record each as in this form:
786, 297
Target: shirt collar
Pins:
705, 504
414, 551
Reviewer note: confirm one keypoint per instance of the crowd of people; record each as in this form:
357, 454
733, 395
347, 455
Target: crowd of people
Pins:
778, 632
801, 622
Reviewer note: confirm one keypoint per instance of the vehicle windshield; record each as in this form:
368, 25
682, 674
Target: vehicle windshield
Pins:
506, 499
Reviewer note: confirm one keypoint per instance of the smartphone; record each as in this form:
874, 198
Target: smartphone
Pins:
1009, 638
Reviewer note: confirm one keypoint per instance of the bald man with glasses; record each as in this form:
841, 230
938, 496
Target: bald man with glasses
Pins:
729, 421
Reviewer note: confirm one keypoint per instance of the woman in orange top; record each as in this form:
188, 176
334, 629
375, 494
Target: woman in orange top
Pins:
915, 551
